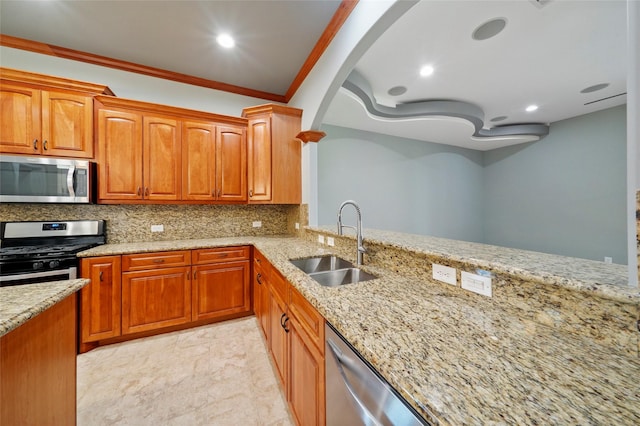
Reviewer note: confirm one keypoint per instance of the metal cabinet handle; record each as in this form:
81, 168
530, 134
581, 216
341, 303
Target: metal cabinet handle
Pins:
101, 276
219, 192
45, 145
158, 260
258, 278
213, 192
281, 318
285, 325
139, 191
146, 191
251, 193
188, 276
35, 144
194, 274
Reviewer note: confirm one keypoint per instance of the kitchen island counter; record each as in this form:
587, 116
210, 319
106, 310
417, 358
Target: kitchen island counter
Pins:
18, 304
457, 357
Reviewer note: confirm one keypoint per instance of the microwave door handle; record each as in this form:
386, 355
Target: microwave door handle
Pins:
70, 180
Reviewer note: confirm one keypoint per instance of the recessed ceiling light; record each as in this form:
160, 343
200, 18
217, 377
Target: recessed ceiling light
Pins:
397, 90
226, 41
594, 88
499, 118
426, 70
531, 108
489, 29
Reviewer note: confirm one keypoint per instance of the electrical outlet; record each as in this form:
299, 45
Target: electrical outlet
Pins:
297, 225
321, 239
608, 259
330, 242
157, 228
257, 224
476, 283
445, 274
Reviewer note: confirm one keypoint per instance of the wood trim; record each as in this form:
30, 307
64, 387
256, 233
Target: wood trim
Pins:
311, 135
114, 102
339, 18
76, 55
270, 109
46, 81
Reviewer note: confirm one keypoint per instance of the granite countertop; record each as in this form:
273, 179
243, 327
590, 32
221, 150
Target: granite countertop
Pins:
18, 304
609, 280
457, 358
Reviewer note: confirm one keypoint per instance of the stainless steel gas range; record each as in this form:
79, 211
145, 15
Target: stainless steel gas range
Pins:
36, 252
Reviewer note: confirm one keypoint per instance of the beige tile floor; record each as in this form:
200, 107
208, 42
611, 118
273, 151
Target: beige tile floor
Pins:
218, 374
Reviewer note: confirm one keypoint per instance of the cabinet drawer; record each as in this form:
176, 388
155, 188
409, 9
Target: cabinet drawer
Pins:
166, 259
310, 319
278, 284
259, 259
223, 254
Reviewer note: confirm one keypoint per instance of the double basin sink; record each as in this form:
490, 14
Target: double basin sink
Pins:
332, 271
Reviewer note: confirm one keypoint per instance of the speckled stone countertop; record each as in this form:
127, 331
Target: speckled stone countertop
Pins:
457, 357
18, 304
609, 280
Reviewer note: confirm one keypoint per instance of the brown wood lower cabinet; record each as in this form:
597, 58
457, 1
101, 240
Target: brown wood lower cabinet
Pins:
155, 299
295, 337
38, 369
135, 295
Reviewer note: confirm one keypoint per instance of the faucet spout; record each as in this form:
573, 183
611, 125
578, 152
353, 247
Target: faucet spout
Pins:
358, 228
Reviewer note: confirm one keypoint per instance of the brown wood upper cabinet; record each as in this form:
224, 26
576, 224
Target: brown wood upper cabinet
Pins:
274, 154
150, 153
138, 156
213, 162
43, 115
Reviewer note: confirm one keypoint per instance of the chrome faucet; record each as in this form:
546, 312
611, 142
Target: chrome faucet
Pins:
357, 228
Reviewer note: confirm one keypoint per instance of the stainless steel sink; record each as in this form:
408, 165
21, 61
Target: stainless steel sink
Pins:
341, 277
311, 265
332, 271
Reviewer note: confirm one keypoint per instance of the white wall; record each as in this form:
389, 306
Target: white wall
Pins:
564, 194
401, 184
130, 85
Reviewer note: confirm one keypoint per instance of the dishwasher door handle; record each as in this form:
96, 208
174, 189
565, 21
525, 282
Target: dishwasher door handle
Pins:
341, 360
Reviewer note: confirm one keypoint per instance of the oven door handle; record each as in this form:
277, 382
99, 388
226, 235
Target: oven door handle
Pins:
70, 180
18, 277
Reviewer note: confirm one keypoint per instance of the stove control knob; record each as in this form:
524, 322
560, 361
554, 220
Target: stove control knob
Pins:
38, 265
54, 264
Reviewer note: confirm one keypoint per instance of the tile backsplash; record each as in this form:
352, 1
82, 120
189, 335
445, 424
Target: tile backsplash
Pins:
132, 223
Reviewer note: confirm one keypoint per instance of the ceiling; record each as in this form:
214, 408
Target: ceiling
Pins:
546, 54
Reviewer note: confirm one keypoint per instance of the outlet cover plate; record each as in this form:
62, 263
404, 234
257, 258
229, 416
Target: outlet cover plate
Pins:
476, 283
257, 224
445, 274
157, 228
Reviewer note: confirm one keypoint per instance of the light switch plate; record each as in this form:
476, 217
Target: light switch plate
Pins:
476, 283
321, 239
330, 242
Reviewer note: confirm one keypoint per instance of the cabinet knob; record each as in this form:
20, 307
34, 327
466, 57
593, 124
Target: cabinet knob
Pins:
45, 145
35, 144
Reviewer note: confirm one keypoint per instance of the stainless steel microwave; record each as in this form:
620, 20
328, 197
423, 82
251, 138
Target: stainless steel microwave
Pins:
45, 180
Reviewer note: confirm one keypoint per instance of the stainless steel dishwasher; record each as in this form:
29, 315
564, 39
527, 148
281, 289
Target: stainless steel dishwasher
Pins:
356, 394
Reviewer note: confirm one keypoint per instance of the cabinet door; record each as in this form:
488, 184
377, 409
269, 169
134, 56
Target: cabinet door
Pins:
278, 333
198, 161
67, 125
220, 289
119, 155
19, 120
231, 164
155, 299
306, 377
100, 300
259, 159
162, 169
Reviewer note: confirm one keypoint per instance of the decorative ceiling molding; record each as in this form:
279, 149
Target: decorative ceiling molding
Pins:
359, 86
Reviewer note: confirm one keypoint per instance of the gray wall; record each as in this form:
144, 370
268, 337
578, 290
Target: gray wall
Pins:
400, 184
564, 194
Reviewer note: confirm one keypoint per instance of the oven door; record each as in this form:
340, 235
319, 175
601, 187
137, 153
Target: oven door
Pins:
70, 273
44, 180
